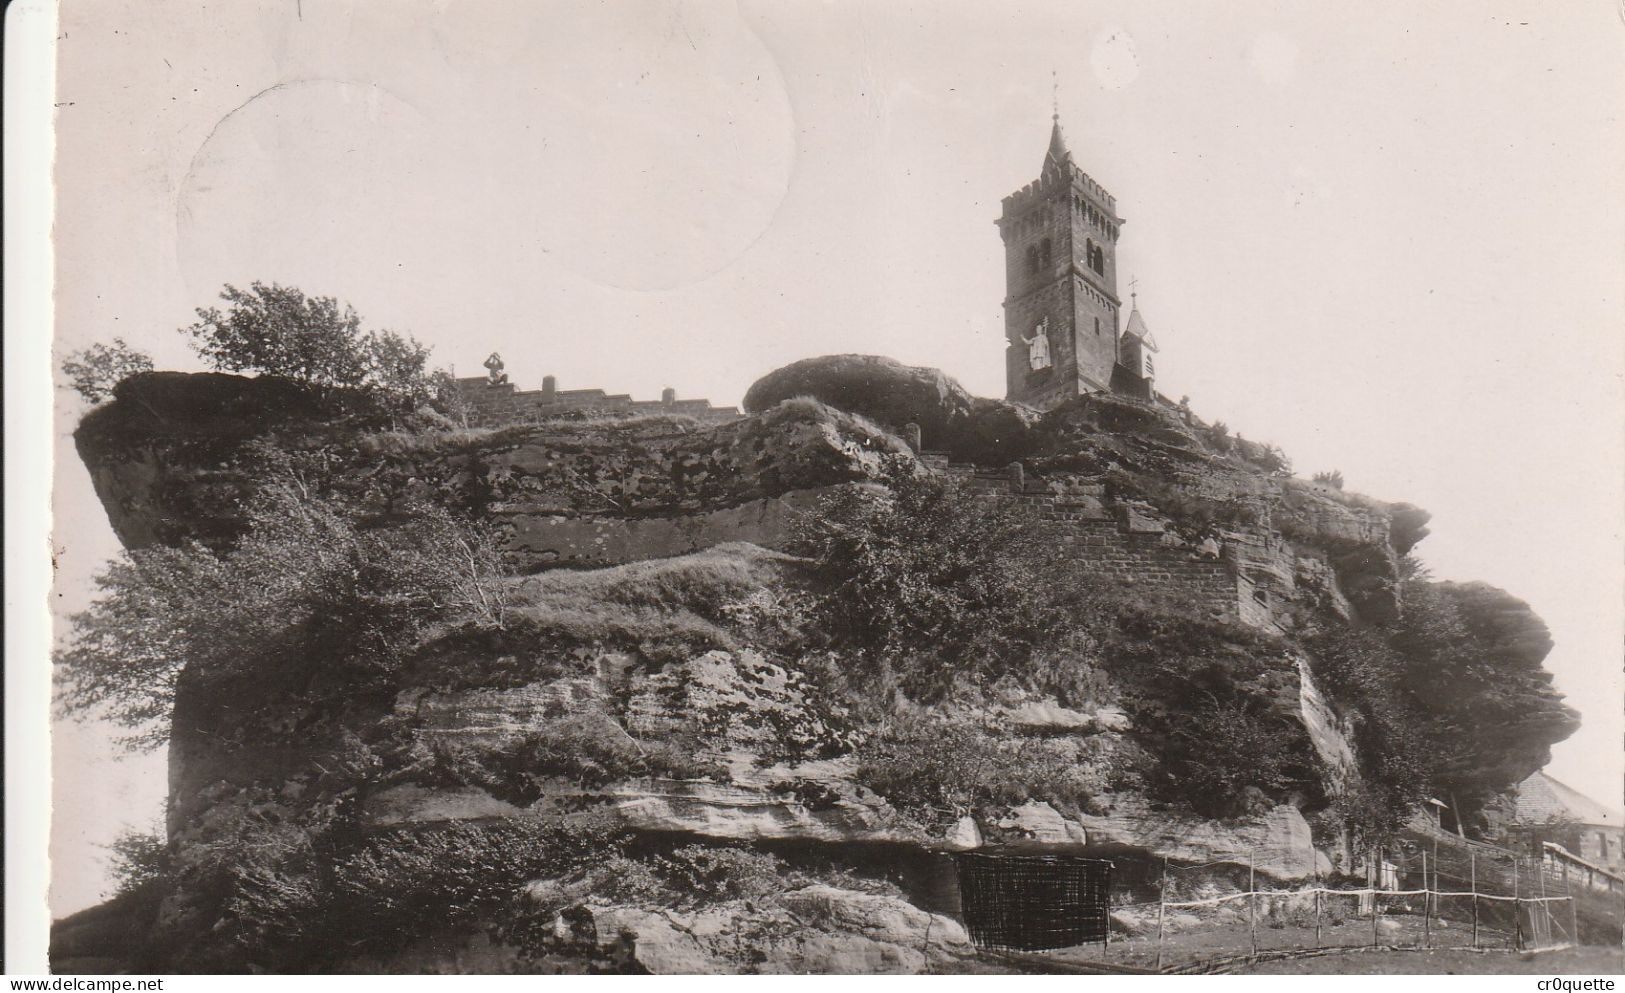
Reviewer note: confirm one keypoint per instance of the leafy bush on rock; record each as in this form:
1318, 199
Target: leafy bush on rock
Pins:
926, 578
94, 372
277, 330
306, 594
938, 770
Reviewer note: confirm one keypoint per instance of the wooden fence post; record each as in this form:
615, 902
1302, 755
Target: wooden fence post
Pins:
1574, 911
1545, 908
1252, 900
1373, 876
1318, 888
1427, 905
1162, 910
1472, 868
1517, 908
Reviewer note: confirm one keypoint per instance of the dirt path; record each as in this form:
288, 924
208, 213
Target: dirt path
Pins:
1592, 961
1400, 937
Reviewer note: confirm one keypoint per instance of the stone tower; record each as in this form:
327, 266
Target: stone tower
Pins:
1060, 272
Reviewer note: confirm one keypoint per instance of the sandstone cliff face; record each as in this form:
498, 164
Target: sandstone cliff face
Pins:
725, 745
174, 457
710, 727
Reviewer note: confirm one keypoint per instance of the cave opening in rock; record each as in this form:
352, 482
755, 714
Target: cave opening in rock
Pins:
1031, 902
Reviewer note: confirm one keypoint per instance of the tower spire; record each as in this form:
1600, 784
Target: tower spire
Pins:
1057, 142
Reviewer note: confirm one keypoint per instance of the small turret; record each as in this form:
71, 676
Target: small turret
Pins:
1134, 351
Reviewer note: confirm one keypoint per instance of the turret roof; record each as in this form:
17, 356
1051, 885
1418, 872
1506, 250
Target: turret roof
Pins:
1137, 328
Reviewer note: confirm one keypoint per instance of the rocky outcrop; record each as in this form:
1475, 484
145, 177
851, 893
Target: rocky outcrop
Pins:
761, 757
536, 540
1507, 711
1328, 731
816, 930
819, 930
991, 432
177, 457
614, 688
1278, 842
162, 455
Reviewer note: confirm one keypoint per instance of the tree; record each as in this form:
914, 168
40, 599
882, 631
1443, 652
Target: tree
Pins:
305, 594
137, 859
94, 371
1273, 460
276, 330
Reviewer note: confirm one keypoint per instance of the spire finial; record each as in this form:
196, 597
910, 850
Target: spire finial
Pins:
1057, 142
1134, 292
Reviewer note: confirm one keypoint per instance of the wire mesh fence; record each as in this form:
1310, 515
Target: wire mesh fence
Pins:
1421, 892
1033, 902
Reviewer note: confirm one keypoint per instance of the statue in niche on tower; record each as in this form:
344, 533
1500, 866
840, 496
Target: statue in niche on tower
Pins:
494, 367
1038, 346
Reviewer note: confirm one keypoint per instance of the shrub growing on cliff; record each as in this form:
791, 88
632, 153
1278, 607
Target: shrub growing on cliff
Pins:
1207, 699
278, 331
138, 860
938, 770
94, 371
306, 590
690, 876
590, 749
939, 589
308, 899
926, 576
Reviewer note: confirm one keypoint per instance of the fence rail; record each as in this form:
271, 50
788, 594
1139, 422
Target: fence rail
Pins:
1418, 894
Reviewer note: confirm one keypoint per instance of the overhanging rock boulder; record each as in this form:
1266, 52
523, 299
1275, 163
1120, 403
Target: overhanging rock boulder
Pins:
893, 395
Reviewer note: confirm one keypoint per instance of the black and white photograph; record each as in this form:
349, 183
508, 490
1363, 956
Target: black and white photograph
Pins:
835, 487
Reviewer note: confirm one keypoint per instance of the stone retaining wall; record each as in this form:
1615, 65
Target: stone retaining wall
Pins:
504, 404
1130, 547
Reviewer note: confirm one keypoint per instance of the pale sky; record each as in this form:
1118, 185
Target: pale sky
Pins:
1389, 237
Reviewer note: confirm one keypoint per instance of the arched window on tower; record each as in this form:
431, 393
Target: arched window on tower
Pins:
1032, 259
1045, 255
